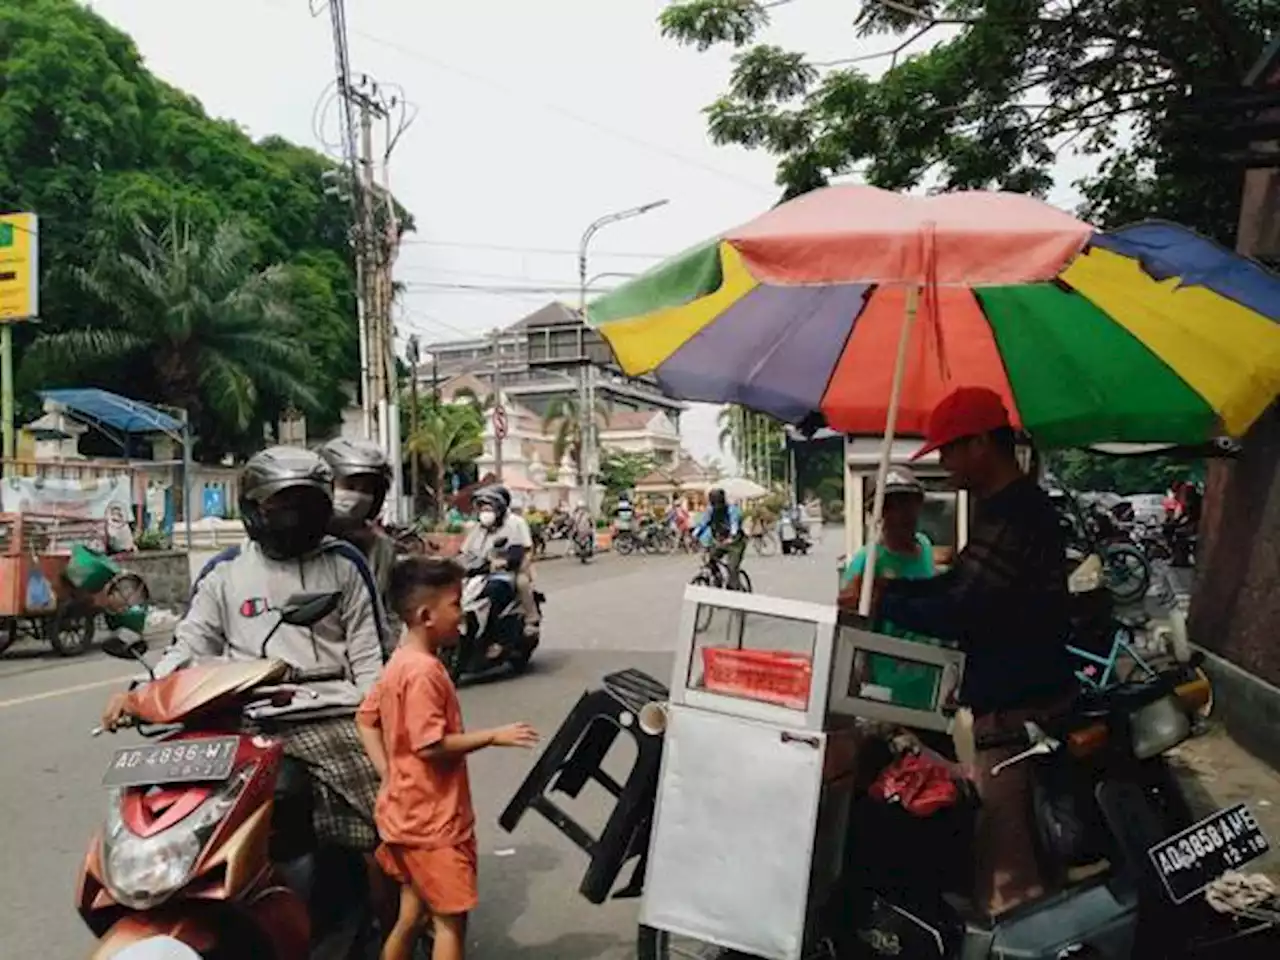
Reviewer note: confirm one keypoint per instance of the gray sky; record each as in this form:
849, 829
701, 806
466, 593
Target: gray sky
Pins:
535, 118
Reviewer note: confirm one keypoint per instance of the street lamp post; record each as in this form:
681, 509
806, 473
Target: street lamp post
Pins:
586, 383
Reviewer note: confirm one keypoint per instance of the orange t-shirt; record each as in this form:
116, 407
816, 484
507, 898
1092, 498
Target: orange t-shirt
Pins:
423, 803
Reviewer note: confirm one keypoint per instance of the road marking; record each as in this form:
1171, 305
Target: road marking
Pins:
65, 691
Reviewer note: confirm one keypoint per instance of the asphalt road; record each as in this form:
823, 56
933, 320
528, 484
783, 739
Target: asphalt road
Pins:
611, 614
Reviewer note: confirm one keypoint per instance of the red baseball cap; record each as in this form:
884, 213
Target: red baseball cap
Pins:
964, 412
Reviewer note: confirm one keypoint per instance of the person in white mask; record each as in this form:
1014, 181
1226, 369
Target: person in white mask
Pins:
361, 480
497, 523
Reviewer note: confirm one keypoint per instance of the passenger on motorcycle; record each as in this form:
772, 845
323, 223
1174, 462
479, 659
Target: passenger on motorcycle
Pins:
719, 530
624, 514
1004, 601
361, 480
498, 523
326, 789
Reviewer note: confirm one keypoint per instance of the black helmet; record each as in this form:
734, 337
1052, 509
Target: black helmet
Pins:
716, 497
356, 460
286, 500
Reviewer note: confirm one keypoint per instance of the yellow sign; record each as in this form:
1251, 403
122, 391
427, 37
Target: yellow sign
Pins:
19, 267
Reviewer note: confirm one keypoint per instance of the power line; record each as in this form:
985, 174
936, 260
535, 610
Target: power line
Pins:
550, 251
569, 114
492, 288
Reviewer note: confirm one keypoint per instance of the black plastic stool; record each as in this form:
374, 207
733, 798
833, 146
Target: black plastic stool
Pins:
573, 758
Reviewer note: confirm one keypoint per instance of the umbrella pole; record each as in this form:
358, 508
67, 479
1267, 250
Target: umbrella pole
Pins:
886, 449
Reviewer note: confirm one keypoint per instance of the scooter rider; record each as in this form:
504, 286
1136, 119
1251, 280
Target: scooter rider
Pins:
326, 789
361, 480
498, 522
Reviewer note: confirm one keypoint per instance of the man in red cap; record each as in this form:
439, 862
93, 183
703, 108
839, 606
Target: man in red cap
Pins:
1005, 602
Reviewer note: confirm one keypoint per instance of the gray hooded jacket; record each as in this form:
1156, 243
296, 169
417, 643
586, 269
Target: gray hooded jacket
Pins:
232, 611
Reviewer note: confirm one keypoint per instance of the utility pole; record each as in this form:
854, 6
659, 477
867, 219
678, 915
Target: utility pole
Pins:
499, 414
413, 426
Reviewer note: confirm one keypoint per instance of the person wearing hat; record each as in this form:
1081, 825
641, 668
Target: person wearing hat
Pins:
1004, 602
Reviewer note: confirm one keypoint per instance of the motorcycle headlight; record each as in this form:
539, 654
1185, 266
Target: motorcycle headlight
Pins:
142, 872
1158, 727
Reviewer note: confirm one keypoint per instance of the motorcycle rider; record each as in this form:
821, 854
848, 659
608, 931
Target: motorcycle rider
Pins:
498, 522
1004, 601
326, 788
720, 530
361, 480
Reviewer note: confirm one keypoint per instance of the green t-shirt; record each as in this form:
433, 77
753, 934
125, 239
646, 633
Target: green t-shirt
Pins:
910, 684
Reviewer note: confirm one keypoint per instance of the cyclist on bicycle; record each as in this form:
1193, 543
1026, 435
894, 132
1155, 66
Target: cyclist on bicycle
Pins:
719, 529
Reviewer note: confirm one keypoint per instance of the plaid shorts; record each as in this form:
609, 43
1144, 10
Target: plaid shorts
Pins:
344, 783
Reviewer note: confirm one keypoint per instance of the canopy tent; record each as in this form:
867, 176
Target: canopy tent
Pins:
119, 418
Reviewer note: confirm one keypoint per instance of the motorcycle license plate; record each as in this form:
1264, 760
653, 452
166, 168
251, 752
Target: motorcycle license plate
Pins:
174, 761
1190, 860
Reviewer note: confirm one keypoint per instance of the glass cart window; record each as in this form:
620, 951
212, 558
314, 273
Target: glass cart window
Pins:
754, 656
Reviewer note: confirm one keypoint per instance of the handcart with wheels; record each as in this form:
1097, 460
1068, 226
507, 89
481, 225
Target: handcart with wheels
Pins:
60, 562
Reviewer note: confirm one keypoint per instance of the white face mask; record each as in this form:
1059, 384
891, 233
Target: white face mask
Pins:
488, 518
352, 504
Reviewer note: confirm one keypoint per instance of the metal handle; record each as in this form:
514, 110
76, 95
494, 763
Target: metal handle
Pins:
798, 738
1040, 749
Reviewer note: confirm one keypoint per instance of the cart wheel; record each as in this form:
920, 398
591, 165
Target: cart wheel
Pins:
70, 633
8, 633
654, 944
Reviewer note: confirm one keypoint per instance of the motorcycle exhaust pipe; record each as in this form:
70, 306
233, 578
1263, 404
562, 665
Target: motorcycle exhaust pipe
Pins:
653, 718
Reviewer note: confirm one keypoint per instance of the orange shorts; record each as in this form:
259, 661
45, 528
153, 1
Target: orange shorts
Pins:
445, 877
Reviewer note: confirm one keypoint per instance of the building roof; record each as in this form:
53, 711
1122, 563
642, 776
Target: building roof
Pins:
630, 419
112, 412
553, 314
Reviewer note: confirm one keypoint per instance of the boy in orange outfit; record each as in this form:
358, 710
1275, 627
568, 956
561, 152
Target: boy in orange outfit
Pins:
411, 726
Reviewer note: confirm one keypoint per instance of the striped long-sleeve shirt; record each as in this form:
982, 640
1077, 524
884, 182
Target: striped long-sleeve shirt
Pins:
1004, 600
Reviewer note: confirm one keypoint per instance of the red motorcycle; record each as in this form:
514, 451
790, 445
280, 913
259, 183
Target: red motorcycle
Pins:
185, 853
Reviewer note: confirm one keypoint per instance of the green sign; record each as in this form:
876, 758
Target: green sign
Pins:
6, 234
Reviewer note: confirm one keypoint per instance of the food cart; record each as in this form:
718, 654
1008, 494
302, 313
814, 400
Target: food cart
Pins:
64, 557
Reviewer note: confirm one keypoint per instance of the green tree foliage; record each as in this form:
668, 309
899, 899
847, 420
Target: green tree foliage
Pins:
1082, 470
1009, 87
621, 470
449, 437
95, 144
564, 421
755, 441
194, 322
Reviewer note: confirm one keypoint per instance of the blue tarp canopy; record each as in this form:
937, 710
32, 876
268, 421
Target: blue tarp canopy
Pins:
115, 413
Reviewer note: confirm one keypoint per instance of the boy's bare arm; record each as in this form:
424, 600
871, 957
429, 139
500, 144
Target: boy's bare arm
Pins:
371, 737
460, 744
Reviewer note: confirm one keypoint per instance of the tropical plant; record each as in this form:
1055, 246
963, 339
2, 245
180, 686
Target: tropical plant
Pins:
448, 436
564, 421
621, 470
755, 441
95, 144
1008, 87
193, 319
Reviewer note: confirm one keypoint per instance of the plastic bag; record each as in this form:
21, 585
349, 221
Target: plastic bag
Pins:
920, 785
40, 596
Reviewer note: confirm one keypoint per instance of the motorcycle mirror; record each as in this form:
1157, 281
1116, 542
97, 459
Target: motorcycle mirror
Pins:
115, 647
306, 609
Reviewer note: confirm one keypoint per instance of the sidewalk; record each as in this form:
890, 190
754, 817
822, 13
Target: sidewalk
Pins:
1216, 772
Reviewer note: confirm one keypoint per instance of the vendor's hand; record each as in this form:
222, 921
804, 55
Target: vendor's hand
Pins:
116, 710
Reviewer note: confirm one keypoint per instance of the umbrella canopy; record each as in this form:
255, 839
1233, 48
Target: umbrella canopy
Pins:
1149, 334
736, 488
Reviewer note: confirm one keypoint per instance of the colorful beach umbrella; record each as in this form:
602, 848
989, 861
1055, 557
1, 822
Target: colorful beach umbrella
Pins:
1148, 334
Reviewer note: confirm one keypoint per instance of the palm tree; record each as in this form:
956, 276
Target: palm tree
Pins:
564, 422
447, 437
198, 320
754, 440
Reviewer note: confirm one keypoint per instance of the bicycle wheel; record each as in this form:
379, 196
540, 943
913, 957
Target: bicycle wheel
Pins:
744, 583
702, 619
766, 543
1127, 571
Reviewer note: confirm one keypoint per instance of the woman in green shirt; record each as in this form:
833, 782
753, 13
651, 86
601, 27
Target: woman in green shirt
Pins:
903, 553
